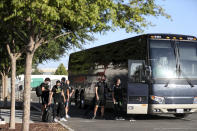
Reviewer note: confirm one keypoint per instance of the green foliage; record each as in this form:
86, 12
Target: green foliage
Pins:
62, 24
78, 20
50, 18
61, 70
4, 60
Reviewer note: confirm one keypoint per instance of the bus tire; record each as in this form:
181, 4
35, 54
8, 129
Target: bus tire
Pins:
82, 100
181, 115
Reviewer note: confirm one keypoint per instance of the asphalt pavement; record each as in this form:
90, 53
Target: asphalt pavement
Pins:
80, 121
34, 116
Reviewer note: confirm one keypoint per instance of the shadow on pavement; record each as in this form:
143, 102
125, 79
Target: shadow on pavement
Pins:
87, 113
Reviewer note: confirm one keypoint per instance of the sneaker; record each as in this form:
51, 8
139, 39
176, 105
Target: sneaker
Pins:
116, 118
67, 116
63, 119
121, 118
93, 117
55, 120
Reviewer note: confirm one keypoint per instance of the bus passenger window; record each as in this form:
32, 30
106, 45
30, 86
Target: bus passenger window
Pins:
136, 72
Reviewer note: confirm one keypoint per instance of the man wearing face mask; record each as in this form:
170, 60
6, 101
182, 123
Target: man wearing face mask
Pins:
117, 99
45, 93
58, 96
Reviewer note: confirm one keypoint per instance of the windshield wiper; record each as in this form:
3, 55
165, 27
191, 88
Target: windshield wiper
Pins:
187, 79
166, 85
178, 68
179, 71
175, 54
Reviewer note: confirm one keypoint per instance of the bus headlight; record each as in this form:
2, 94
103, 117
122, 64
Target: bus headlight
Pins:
195, 100
158, 99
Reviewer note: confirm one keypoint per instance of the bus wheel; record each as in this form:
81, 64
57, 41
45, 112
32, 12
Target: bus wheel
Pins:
82, 101
181, 115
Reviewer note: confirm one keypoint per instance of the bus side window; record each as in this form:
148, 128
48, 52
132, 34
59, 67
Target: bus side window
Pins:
136, 72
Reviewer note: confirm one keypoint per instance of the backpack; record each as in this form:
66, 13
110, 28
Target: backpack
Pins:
47, 114
39, 91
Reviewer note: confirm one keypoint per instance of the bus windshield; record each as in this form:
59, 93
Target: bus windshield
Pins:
163, 59
164, 62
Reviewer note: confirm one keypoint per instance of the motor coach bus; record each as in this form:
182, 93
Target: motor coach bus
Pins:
158, 73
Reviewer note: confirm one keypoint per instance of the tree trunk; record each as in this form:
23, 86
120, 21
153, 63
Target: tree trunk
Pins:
3, 86
5, 90
27, 91
13, 78
6, 86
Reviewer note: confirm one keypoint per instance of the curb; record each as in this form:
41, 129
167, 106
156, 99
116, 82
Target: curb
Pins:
65, 126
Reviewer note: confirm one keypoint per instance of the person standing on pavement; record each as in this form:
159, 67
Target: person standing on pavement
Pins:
100, 94
117, 99
45, 93
59, 99
66, 91
68, 96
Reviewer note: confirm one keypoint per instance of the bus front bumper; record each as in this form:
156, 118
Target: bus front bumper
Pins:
172, 108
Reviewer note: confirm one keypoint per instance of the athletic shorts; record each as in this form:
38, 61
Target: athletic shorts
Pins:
45, 100
68, 103
101, 102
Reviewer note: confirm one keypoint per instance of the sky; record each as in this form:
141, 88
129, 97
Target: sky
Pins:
184, 21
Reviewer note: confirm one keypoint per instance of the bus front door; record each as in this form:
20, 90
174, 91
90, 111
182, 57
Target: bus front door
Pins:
137, 88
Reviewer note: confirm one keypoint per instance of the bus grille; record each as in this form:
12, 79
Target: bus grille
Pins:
179, 100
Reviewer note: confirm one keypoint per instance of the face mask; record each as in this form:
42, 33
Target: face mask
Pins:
47, 83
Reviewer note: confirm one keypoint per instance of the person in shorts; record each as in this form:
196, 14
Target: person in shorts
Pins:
100, 94
65, 88
68, 97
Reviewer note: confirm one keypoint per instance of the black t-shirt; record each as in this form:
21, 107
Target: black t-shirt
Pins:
70, 89
102, 89
117, 89
45, 93
63, 84
57, 93
64, 88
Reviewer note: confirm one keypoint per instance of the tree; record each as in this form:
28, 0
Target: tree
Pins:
13, 56
65, 23
61, 70
4, 70
13, 48
10, 38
